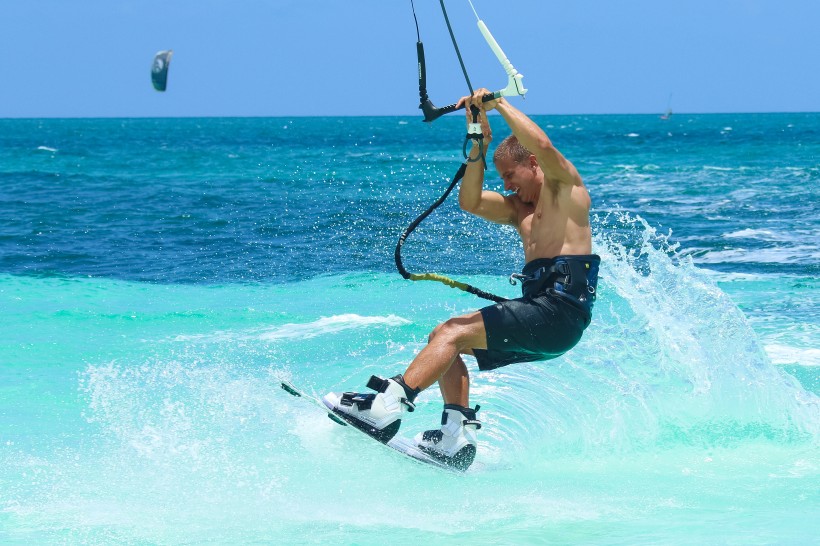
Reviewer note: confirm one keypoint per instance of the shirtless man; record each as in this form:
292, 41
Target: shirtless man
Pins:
549, 206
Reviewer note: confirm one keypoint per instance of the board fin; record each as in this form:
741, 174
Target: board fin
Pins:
290, 389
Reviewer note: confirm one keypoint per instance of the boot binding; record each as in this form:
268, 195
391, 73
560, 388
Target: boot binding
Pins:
460, 461
382, 435
364, 402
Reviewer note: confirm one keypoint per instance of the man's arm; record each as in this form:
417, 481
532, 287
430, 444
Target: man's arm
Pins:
472, 197
554, 165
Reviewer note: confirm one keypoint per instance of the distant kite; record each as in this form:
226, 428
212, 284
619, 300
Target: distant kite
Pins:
159, 70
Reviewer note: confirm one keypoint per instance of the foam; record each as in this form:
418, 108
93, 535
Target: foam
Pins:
762, 234
790, 255
323, 326
329, 325
784, 354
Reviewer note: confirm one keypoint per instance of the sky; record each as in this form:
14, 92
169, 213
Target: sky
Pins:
92, 58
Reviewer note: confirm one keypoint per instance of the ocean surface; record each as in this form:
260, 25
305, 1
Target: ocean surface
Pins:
160, 277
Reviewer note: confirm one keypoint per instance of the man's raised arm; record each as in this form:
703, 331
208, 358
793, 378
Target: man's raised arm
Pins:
554, 165
472, 197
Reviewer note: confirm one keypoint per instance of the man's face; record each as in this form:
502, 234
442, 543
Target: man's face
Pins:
520, 179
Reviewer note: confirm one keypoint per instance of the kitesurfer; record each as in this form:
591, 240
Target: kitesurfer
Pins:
549, 206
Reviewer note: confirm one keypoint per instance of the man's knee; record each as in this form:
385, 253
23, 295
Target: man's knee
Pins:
455, 330
435, 332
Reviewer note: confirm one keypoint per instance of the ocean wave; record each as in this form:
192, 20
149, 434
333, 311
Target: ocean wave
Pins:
329, 325
762, 234
744, 194
306, 330
734, 276
784, 354
790, 255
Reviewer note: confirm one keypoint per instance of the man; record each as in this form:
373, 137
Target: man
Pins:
549, 206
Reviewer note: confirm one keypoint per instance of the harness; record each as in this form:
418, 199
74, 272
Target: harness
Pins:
572, 278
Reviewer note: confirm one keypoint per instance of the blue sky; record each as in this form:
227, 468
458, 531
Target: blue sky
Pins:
91, 58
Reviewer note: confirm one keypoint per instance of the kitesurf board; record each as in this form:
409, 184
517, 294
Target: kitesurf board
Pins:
402, 445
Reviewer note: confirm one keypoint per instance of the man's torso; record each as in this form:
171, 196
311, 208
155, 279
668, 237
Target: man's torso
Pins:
557, 225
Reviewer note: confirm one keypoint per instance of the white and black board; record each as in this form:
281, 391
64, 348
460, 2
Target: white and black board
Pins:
400, 444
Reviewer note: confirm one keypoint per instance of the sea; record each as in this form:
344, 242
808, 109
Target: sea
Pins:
159, 279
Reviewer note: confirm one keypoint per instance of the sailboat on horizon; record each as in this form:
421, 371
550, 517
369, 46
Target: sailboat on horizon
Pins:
668, 113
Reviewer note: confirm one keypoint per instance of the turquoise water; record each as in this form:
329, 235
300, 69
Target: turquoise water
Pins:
158, 278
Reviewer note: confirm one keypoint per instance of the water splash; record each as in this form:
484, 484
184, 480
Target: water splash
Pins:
669, 360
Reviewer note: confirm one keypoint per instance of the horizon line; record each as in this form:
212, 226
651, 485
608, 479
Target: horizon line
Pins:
262, 116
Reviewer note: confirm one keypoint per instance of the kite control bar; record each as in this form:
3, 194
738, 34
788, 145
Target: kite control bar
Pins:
515, 80
431, 111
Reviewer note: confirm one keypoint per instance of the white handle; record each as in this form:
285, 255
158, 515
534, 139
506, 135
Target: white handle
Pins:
515, 84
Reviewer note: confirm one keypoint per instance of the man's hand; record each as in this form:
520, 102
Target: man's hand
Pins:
477, 99
483, 107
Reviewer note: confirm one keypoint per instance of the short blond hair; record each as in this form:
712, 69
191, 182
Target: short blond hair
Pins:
511, 148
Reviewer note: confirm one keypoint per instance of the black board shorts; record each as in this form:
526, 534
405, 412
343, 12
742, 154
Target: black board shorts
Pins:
529, 329
547, 321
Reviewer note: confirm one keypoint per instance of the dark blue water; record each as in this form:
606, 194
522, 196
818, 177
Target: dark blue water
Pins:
215, 200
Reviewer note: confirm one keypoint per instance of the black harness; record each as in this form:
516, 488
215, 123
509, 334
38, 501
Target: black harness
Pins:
573, 278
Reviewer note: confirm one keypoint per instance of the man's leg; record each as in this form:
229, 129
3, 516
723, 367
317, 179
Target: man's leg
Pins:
380, 415
457, 335
455, 384
454, 443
